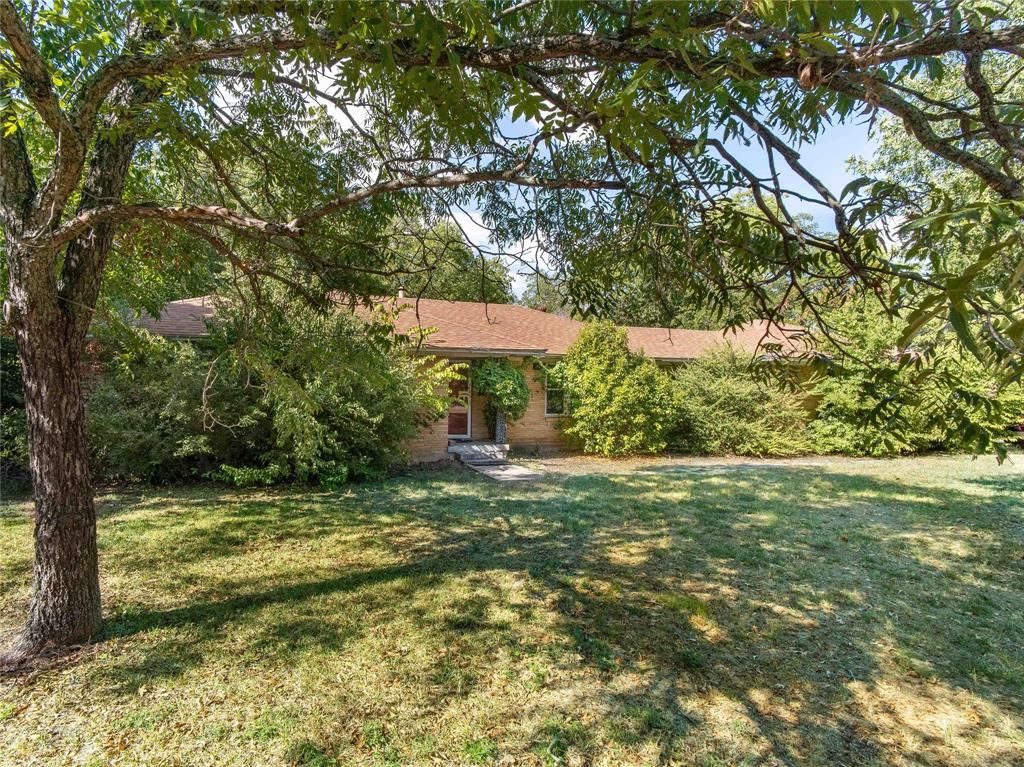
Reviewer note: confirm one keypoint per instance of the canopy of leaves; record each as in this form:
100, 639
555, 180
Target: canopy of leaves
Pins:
441, 263
289, 141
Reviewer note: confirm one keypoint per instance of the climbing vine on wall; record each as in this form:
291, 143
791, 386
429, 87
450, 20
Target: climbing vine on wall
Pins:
505, 386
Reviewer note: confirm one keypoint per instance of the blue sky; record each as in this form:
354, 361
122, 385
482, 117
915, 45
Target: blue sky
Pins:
827, 158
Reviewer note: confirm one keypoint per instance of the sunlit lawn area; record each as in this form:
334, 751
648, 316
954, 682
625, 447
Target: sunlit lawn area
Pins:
824, 612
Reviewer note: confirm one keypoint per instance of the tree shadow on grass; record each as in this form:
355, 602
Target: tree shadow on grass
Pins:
775, 589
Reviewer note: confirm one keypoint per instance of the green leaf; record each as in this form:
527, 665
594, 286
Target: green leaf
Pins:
958, 318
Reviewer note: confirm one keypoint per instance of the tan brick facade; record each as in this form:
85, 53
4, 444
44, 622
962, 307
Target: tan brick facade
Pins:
536, 431
478, 420
533, 432
431, 444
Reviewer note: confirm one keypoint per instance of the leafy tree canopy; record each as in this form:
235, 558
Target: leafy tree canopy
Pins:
296, 134
283, 140
440, 263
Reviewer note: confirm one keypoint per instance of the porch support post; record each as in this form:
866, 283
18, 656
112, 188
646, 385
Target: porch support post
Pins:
500, 427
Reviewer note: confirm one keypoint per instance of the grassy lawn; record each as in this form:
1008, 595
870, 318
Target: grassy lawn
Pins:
662, 612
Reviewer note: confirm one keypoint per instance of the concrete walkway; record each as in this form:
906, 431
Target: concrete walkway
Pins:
505, 472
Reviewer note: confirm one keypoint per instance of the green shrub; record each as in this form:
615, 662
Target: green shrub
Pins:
284, 393
505, 387
342, 393
13, 427
881, 405
13, 447
250, 476
856, 415
723, 409
850, 418
147, 418
621, 403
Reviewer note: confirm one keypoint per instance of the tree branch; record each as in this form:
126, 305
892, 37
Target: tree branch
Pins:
918, 124
17, 183
34, 75
212, 214
792, 158
505, 57
37, 85
987, 107
110, 74
447, 181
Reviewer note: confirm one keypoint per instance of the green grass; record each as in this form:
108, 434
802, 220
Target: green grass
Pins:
638, 613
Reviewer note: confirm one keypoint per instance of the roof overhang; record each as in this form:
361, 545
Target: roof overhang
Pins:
453, 351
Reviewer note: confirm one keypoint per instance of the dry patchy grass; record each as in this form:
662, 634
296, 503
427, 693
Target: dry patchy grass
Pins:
637, 613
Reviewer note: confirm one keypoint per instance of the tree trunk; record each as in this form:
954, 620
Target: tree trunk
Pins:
65, 606
49, 310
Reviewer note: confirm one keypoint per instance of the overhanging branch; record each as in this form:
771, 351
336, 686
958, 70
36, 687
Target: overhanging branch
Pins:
221, 216
448, 181
185, 215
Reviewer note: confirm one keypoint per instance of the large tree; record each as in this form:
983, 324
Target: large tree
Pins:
287, 138
441, 262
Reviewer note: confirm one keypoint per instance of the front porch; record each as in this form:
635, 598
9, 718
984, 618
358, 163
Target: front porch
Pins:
464, 430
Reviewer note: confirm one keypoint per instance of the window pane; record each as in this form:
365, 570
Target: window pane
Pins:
554, 401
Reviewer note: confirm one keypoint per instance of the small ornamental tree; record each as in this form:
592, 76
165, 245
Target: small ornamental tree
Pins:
622, 403
507, 391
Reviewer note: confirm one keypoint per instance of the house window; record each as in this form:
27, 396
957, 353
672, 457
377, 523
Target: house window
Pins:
554, 399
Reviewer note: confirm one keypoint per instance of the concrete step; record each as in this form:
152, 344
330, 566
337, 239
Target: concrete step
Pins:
479, 452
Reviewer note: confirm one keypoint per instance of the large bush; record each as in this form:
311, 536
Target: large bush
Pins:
621, 403
723, 408
861, 404
162, 410
285, 392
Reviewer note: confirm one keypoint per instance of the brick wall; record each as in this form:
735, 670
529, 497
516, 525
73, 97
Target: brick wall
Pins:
431, 444
478, 426
536, 431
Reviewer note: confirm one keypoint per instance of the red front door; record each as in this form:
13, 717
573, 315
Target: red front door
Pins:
458, 413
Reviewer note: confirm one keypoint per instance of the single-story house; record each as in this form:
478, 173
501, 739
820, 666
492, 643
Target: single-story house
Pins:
465, 330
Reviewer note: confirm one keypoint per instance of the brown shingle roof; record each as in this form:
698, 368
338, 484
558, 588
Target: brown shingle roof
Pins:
466, 327
477, 327
680, 344
181, 319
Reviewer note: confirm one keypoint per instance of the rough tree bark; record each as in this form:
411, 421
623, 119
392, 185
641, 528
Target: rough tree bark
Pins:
65, 606
49, 314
